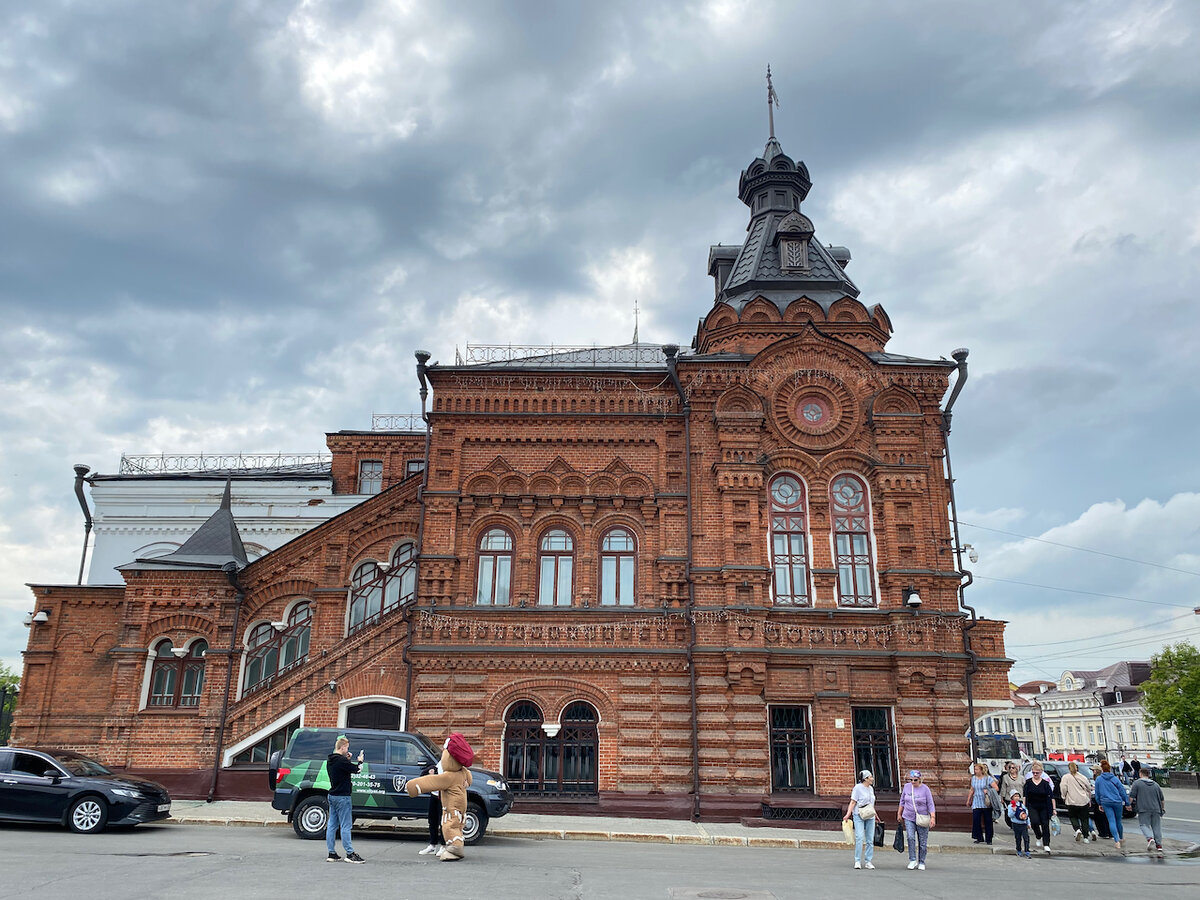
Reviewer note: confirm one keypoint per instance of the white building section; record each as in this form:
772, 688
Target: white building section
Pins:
146, 514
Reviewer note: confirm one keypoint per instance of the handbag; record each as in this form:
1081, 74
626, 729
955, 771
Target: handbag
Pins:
923, 820
848, 831
879, 834
866, 812
898, 841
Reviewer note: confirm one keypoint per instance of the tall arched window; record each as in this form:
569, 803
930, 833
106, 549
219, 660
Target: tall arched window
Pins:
177, 678
556, 558
618, 567
366, 594
493, 585
524, 742
789, 541
401, 584
275, 647
851, 516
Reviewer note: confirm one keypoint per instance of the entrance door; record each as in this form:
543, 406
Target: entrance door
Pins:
384, 716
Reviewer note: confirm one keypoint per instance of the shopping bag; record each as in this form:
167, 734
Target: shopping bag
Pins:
898, 842
1055, 828
879, 833
848, 831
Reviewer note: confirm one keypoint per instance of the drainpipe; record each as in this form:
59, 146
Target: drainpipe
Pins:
960, 356
80, 471
230, 569
671, 351
422, 361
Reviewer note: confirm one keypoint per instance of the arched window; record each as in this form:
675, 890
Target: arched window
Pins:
536, 764
376, 590
556, 558
789, 541
366, 594
852, 541
579, 741
493, 585
275, 647
523, 747
618, 567
177, 677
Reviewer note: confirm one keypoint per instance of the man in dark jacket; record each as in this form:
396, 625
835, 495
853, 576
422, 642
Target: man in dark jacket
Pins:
339, 767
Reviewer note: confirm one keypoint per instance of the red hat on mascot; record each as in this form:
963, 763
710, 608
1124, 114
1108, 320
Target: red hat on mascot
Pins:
460, 749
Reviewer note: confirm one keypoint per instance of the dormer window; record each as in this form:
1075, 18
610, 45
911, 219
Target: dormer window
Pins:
793, 253
793, 234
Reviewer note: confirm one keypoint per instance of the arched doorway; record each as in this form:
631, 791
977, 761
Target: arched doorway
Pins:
552, 761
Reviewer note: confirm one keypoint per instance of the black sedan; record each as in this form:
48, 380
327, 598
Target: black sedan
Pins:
61, 786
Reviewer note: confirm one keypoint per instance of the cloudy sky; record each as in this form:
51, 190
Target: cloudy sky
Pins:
227, 225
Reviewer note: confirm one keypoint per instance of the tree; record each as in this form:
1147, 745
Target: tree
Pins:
1171, 697
8, 700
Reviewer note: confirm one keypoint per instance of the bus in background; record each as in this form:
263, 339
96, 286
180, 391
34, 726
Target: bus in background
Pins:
995, 750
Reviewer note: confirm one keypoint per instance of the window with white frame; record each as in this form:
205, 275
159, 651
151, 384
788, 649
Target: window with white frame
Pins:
370, 476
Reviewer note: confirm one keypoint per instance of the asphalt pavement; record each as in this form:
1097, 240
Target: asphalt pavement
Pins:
188, 862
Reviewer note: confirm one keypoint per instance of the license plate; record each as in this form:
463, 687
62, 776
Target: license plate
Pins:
163, 807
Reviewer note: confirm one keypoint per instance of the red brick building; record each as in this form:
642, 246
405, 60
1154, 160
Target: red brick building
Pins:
635, 578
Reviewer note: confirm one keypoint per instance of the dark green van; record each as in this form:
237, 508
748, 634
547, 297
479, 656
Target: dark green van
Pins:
300, 780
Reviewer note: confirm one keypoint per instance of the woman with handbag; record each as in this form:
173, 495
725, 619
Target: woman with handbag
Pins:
917, 813
979, 800
861, 810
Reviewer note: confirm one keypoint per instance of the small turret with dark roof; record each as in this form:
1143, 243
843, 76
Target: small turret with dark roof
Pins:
215, 544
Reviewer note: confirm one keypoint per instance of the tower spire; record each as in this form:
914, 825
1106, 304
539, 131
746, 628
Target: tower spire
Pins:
772, 102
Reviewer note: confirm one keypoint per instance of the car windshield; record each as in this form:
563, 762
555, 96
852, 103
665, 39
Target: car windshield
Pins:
80, 765
429, 745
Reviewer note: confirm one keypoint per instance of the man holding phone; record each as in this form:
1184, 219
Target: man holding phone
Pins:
341, 810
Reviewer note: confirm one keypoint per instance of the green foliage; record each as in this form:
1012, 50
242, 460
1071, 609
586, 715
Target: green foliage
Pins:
8, 680
1171, 697
7, 676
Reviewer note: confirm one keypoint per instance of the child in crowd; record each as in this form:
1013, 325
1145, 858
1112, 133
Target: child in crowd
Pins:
1018, 818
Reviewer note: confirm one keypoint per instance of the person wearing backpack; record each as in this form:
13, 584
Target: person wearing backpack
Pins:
1111, 796
862, 811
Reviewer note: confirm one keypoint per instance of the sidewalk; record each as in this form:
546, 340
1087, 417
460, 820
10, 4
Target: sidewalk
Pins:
661, 831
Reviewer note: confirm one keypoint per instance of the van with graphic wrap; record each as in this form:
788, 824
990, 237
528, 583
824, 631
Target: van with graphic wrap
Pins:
300, 779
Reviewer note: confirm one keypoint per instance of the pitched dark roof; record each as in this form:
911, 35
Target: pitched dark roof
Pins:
214, 545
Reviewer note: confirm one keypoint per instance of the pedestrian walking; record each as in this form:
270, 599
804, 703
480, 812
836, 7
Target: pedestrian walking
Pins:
435, 814
1147, 800
918, 815
861, 811
1110, 793
1039, 800
1136, 768
1126, 769
340, 767
980, 804
1076, 792
1018, 819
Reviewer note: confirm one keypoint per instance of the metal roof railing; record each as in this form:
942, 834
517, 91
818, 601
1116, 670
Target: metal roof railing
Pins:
162, 463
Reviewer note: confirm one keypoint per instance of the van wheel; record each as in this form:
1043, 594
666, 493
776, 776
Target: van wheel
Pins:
88, 815
475, 823
311, 817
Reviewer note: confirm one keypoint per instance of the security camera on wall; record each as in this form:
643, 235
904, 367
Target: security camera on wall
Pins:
912, 598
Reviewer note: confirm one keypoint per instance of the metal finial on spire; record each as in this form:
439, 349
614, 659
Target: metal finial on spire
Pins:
772, 98
635, 320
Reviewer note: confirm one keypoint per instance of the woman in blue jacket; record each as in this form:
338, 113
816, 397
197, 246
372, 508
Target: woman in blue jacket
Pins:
1111, 796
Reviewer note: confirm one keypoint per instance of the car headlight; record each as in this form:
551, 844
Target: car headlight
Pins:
499, 785
133, 795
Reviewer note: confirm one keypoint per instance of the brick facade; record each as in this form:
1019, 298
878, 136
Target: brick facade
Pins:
560, 444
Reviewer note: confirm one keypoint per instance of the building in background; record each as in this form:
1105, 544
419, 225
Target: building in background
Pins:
1097, 714
1020, 717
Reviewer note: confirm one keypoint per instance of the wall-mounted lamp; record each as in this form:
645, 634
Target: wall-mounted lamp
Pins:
279, 626
912, 598
180, 652
332, 685
972, 553
384, 566
41, 617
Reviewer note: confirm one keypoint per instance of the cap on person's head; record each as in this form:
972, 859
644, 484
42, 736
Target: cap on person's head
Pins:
864, 774
914, 774
1014, 793
459, 749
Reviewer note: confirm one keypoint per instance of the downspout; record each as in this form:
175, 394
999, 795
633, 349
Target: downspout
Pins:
405, 656
80, 471
230, 569
960, 356
671, 351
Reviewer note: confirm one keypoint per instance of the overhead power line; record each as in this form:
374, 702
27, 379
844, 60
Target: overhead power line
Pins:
1078, 591
1097, 637
1025, 537
1107, 649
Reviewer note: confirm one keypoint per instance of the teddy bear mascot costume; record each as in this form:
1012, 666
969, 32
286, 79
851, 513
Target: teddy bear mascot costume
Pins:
452, 782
